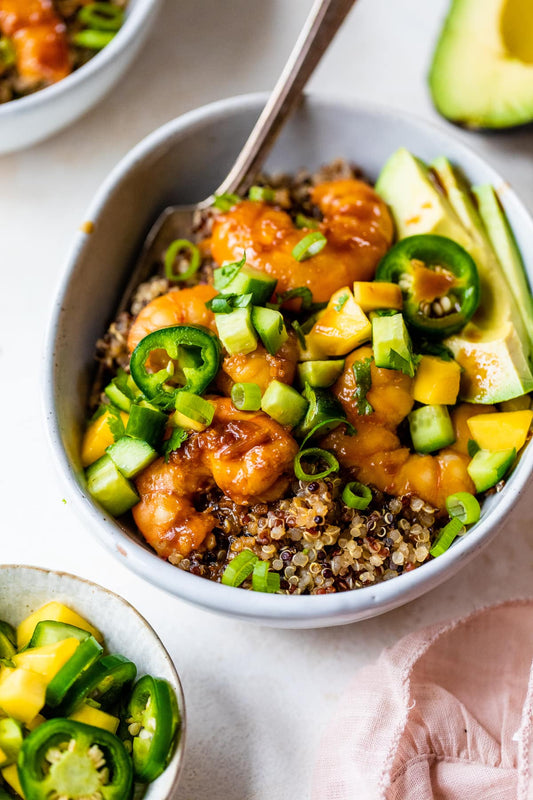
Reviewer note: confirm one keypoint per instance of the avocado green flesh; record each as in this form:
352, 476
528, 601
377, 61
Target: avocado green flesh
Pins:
482, 70
494, 348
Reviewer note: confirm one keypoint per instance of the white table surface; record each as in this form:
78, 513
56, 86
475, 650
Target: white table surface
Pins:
257, 698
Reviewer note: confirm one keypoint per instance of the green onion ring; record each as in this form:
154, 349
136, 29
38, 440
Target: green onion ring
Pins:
263, 580
93, 40
356, 495
195, 407
170, 256
239, 568
226, 201
246, 396
309, 246
101, 17
261, 194
305, 222
446, 537
464, 506
350, 430
315, 452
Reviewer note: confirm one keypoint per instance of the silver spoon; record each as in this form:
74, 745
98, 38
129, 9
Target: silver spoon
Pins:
175, 222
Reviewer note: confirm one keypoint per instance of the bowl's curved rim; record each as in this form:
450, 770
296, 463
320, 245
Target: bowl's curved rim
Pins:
133, 22
215, 596
180, 749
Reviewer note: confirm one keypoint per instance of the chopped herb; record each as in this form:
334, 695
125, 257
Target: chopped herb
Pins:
223, 276
177, 437
64, 501
429, 348
100, 411
225, 304
300, 291
341, 302
114, 422
405, 365
299, 333
363, 380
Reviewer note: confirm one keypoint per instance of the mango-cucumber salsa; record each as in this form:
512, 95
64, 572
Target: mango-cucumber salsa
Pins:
76, 721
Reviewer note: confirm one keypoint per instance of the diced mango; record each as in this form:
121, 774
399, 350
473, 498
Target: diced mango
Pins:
35, 722
436, 381
11, 776
502, 430
96, 717
373, 295
98, 437
4, 758
47, 660
22, 693
342, 327
56, 612
187, 423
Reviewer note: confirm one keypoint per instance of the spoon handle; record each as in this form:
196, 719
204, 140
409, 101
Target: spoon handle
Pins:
323, 22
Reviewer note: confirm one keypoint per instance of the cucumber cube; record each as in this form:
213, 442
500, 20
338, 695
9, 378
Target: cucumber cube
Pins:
271, 328
488, 467
431, 428
392, 345
109, 487
320, 374
236, 332
283, 403
247, 281
131, 455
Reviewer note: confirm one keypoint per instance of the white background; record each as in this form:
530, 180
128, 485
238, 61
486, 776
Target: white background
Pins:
257, 698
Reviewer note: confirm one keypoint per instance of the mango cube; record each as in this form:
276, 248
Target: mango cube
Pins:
35, 722
11, 776
374, 295
436, 381
22, 693
95, 717
47, 660
98, 437
56, 612
342, 327
502, 430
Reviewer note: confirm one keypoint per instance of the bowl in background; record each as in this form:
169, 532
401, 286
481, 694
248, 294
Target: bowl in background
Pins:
31, 119
182, 162
24, 589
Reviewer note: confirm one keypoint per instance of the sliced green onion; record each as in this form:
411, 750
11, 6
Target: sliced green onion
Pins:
263, 580
261, 194
309, 246
93, 40
302, 221
446, 537
356, 495
226, 201
239, 568
177, 246
246, 396
8, 55
350, 430
464, 506
101, 16
303, 292
315, 453
195, 407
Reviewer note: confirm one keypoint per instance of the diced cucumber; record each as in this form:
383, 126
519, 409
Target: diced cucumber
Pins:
122, 391
320, 374
236, 332
431, 428
488, 467
392, 345
271, 328
249, 281
322, 406
109, 487
131, 455
283, 403
51, 631
146, 422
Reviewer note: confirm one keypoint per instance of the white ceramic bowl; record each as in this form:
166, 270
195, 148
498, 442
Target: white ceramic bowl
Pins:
24, 589
33, 118
183, 162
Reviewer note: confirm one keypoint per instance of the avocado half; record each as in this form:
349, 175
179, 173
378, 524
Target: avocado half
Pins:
482, 70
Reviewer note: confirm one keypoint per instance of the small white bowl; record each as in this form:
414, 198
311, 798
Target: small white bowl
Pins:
31, 119
183, 162
24, 589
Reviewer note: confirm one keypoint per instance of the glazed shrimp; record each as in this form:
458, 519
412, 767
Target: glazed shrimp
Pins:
177, 307
375, 452
247, 455
260, 367
39, 38
356, 224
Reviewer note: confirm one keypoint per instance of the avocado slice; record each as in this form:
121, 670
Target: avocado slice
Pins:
494, 348
482, 70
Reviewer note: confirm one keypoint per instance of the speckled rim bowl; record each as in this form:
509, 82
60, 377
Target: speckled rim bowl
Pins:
182, 162
31, 119
24, 589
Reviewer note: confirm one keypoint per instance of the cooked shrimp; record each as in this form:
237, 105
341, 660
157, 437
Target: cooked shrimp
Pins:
39, 38
376, 453
177, 307
247, 455
356, 223
260, 367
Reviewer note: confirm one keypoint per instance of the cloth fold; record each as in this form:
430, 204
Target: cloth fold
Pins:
447, 713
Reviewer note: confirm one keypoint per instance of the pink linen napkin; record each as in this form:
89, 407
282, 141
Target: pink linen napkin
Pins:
447, 713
